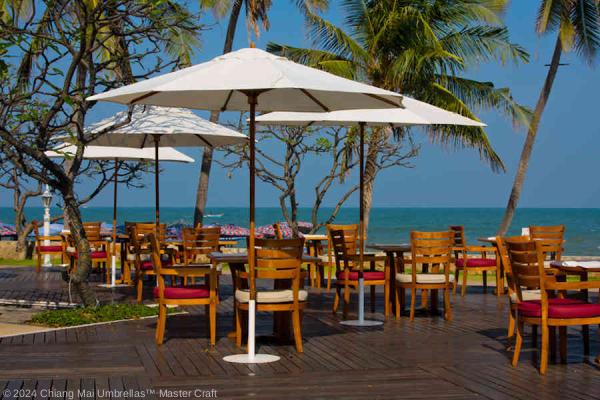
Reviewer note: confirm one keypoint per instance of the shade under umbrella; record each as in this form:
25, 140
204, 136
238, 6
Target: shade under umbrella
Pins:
414, 112
118, 154
252, 80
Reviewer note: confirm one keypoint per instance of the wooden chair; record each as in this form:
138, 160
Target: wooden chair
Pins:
278, 231
432, 249
473, 259
99, 248
280, 261
328, 260
197, 244
347, 270
527, 264
185, 295
142, 259
56, 247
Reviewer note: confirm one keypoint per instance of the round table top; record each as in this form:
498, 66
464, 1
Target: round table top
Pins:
577, 265
390, 247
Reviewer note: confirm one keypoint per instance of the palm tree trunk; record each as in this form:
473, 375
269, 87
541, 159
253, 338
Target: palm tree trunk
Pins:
529, 141
207, 155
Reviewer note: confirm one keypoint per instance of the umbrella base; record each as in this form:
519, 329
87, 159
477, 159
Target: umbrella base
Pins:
247, 359
364, 322
116, 285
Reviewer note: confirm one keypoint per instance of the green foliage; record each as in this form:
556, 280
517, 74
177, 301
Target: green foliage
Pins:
422, 48
90, 315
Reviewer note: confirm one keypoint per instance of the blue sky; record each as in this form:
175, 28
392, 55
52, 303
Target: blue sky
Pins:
562, 173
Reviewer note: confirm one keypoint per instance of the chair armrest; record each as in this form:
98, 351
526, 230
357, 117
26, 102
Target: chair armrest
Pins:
51, 238
553, 285
183, 270
480, 249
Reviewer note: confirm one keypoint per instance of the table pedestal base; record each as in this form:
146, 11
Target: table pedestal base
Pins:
248, 359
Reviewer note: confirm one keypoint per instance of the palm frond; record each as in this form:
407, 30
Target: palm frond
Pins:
586, 22
550, 14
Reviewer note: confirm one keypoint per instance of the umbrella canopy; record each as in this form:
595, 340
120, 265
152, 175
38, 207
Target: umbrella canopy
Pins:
7, 229
224, 82
120, 153
414, 112
176, 127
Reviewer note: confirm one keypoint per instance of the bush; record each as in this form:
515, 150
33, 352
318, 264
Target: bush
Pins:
90, 315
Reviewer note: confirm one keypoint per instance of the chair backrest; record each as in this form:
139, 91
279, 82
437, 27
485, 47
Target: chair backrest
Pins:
36, 230
526, 258
199, 241
344, 245
279, 260
146, 228
432, 248
503, 254
277, 230
138, 245
92, 231
154, 248
352, 231
459, 235
552, 238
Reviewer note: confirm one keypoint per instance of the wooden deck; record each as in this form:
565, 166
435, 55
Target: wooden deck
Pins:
429, 358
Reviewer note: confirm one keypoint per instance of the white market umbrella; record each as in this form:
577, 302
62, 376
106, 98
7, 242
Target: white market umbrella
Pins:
118, 154
156, 127
414, 113
252, 80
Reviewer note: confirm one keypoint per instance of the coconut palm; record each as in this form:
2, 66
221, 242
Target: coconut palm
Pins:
577, 27
422, 48
257, 15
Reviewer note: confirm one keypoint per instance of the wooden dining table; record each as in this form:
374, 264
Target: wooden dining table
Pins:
394, 257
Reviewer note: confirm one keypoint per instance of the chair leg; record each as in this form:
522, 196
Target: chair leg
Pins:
447, 306
336, 300
534, 334
585, 331
329, 278
511, 323
139, 283
398, 301
297, 330
484, 276
346, 302
518, 344
38, 264
544, 358
238, 327
456, 276
372, 298
161, 323
213, 323
562, 338
413, 300
463, 289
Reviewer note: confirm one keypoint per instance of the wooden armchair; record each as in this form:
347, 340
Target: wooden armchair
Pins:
345, 249
432, 249
279, 261
527, 263
185, 295
328, 260
55, 247
473, 259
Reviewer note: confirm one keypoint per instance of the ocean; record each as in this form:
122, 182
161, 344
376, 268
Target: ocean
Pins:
387, 225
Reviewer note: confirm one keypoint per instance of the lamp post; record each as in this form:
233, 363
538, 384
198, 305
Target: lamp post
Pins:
46, 201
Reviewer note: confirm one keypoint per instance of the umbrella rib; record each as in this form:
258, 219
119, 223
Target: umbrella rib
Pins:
227, 101
204, 140
314, 99
383, 99
142, 97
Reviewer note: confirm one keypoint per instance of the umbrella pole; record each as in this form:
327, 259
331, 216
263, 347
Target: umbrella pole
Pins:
251, 357
361, 239
156, 182
113, 275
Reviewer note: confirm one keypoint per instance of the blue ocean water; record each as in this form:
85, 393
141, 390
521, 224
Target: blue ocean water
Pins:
386, 224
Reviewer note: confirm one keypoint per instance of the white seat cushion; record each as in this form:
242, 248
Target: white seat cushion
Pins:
527, 295
325, 258
424, 278
271, 296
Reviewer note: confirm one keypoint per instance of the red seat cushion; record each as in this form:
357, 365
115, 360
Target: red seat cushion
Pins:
50, 248
560, 308
146, 265
185, 292
368, 275
476, 262
98, 254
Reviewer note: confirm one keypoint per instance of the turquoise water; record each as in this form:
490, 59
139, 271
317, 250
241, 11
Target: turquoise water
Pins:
387, 224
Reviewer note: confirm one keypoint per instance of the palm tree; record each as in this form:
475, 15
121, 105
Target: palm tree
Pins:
422, 48
256, 15
577, 26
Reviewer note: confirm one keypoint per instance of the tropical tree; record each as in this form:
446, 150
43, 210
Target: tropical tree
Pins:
257, 15
422, 48
577, 27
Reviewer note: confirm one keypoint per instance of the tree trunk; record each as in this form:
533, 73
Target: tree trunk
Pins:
207, 155
371, 171
79, 276
529, 141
